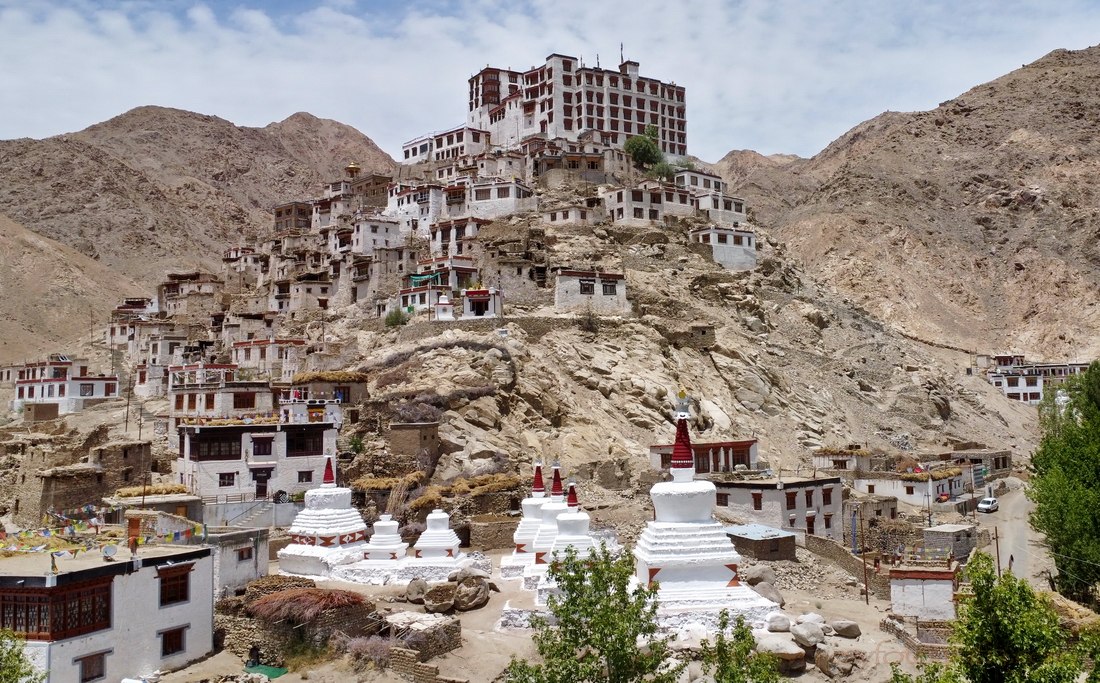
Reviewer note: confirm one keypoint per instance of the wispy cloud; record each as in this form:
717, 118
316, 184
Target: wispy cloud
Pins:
771, 76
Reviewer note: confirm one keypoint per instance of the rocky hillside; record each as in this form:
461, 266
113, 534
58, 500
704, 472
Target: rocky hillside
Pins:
793, 364
160, 189
50, 293
974, 224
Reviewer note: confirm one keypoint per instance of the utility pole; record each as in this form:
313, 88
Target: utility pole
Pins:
997, 541
129, 393
863, 557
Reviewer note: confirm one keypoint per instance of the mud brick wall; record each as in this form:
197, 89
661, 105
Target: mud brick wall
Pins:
878, 582
437, 641
487, 533
406, 663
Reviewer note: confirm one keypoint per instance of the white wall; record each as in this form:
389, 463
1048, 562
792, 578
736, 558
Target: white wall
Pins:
929, 599
136, 618
568, 297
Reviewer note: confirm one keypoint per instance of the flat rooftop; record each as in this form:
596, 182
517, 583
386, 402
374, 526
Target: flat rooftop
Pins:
951, 528
756, 532
38, 564
769, 482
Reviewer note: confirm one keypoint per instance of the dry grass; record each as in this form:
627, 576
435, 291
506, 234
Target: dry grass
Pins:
389, 483
432, 496
266, 585
341, 376
301, 605
151, 490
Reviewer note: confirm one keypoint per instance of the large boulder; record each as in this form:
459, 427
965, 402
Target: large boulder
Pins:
467, 572
471, 593
837, 663
777, 622
792, 658
845, 628
440, 598
810, 618
415, 591
766, 590
807, 635
758, 573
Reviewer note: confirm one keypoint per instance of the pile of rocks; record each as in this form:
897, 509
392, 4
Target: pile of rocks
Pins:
807, 574
465, 589
806, 640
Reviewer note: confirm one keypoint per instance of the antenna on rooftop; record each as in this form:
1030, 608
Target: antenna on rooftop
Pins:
621, 58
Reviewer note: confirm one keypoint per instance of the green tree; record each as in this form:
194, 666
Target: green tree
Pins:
662, 170
15, 667
644, 148
596, 623
1065, 484
734, 660
1005, 633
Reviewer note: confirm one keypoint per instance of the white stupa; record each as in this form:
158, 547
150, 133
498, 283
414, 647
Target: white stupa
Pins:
385, 543
511, 566
684, 550
573, 528
548, 519
326, 533
439, 541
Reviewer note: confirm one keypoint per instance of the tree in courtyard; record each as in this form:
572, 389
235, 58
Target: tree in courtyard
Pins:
644, 148
15, 667
1065, 484
1005, 633
597, 622
733, 659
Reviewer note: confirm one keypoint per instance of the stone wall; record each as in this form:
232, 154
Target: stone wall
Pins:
535, 327
436, 641
239, 632
933, 651
407, 664
492, 531
879, 582
63, 471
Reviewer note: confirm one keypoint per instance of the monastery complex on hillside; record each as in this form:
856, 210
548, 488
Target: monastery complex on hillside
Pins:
460, 236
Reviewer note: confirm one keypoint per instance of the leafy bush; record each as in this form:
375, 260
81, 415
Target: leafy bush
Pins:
396, 318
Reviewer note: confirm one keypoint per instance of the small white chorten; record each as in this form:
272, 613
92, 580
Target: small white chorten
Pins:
511, 566
573, 528
684, 550
548, 522
444, 309
439, 540
385, 544
327, 532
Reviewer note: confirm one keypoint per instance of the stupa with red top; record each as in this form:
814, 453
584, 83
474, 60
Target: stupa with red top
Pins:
511, 566
326, 533
684, 550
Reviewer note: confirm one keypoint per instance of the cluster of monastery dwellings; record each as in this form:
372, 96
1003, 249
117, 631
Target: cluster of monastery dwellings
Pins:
1023, 380
218, 347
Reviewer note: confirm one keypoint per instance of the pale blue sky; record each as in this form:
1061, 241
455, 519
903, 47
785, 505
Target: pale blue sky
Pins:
774, 76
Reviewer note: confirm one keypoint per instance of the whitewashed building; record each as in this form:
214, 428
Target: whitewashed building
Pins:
732, 248
802, 504
99, 619
253, 459
58, 380
563, 98
274, 359
449, 144
583, 290
926, 593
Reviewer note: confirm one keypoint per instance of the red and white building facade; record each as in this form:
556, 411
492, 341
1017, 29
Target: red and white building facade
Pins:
60, 380
563, 98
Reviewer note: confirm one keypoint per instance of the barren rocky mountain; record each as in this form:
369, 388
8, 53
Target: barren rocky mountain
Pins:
974, 224
49, 293
160, 189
